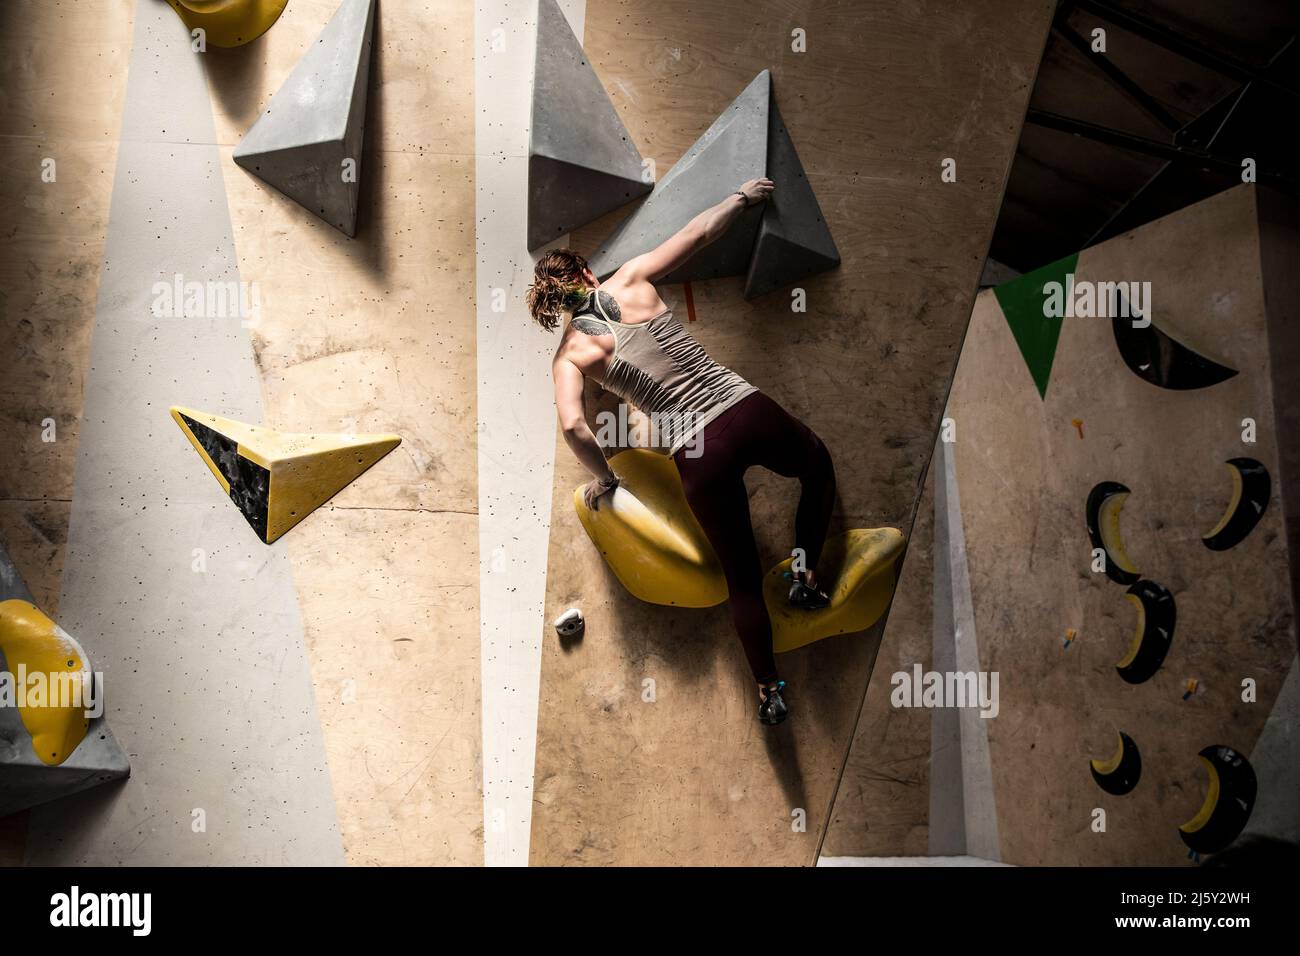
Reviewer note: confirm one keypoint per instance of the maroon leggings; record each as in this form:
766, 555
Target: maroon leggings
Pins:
755, 431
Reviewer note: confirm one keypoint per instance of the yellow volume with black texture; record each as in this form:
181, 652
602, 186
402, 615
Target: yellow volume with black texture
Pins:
229, 23
648, 536
34, 646
278, 478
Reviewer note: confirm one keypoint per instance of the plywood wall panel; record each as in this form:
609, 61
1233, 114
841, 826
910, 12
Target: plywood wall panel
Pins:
1025, 471
884, 94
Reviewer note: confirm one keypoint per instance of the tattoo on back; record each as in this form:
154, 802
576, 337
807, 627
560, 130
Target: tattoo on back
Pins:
601, 305
589, 326
609, 306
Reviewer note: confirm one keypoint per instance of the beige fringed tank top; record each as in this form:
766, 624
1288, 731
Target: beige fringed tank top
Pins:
658, 367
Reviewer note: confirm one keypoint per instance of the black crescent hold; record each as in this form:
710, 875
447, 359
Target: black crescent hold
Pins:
1221, 820
1256, 489
1156, 357
1159, 617
1096, 498
1124, 777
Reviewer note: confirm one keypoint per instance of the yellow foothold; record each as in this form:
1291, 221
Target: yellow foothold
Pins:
863, 565
229, 23
647, 534
53, 670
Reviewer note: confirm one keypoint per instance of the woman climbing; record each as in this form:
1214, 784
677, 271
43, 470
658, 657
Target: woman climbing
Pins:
620, 333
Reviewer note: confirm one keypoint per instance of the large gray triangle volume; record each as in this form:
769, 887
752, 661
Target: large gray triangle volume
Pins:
731, 151
581, 161
779, 242
794, 241
308, 142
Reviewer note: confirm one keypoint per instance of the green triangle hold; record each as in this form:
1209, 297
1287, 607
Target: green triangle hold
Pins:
1036, 334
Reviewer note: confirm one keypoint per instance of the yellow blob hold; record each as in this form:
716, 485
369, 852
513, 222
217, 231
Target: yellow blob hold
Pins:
647, 534
862, 564
229, 23
1111, 539
50, 658
1211, 801
1107, 767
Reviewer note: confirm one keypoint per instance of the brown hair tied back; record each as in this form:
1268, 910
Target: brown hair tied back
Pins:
558, 285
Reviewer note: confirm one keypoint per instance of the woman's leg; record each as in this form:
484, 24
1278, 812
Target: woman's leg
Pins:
721, 505
790, 448
714, 484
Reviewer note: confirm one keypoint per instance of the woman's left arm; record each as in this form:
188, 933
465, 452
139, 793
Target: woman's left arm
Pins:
696, 234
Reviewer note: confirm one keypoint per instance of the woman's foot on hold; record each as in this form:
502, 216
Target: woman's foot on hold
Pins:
806, 594
772, 708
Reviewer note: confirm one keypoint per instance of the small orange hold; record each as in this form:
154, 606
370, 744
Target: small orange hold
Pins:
1078, 425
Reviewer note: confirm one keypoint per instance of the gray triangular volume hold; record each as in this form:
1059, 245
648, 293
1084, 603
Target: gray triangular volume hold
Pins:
26, 780
794, 241
782, 241
308, 142
581, 161
731, 151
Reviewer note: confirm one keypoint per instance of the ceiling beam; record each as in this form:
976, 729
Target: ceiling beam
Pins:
1164, 36
1187, 155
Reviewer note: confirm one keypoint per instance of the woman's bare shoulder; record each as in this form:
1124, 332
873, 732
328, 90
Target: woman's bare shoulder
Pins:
581, 346
637, 297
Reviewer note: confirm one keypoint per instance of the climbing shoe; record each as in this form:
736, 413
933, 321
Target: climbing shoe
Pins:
808, 598
773, 710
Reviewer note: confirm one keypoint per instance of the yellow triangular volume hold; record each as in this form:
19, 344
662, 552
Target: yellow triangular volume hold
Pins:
278, 478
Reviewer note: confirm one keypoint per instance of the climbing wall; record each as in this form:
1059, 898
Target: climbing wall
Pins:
376, 334
372, 334
308, 141
883, 804
649, 750
1032, 445
50, 261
